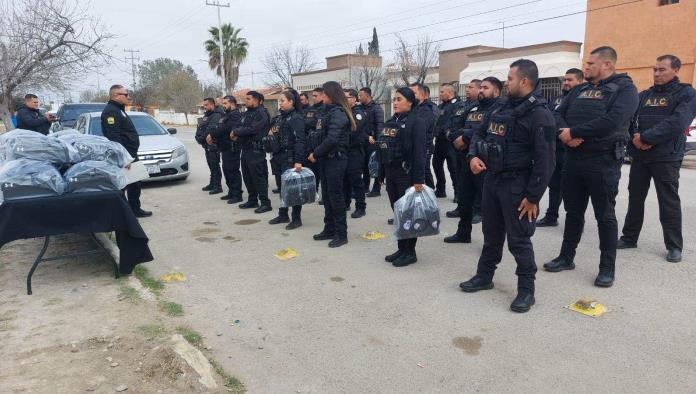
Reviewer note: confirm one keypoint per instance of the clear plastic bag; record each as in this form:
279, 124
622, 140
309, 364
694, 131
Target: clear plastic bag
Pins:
373, 165
297, 188
10, 135
416, 214
98, 148
65, 132
24, 178
36, 146
92, 176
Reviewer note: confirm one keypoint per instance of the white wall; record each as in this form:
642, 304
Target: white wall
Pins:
552, 64
171, 117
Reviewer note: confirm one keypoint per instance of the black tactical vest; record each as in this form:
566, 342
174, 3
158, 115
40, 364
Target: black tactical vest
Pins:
502, 150
655, 107
473, 121
591, 103
391, 141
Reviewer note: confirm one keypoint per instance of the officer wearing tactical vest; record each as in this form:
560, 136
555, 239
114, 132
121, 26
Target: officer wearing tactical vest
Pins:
374, 125
594, 121
229, 150
515, 147
118, 127
451, 116
573, 77
657, 150
311, 115
255, 125
206, 125
429, 112
353, 180
470, 185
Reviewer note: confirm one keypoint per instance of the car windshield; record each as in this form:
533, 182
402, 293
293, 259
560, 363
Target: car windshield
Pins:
74, 111
145, 125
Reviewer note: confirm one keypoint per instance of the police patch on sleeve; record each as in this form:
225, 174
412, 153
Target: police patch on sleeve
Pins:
111, 120
358, 117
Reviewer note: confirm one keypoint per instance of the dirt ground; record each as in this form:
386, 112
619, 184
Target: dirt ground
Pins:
83, 330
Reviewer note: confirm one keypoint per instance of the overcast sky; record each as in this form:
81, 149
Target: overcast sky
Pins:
178, 28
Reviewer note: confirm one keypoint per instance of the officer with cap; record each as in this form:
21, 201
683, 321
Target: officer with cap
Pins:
471, 185
229, 150
255, 125
657, 149
353, 182
451, 114
516, 147
206, 125
572, 78
594, 119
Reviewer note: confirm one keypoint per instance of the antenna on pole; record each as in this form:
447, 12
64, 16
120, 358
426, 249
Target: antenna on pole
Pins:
219, 5
133, 59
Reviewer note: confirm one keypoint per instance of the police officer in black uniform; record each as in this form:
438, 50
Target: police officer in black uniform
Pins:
286, 141
402, 157
515, 146
353, 181
471, 185
311, 116
255, 125
427, 110
329, 146
594, 120
206, 125
657, 150
373, 125
29, 117
229, 150
451, 114
118, 127
573, 77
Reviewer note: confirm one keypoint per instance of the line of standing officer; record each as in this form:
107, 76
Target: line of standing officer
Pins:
206, 124
429, 112
657, 149
594, 122
229, 150
255, 125
373, 125
471, 185
515, 146
353, 181
451, 112
311, 116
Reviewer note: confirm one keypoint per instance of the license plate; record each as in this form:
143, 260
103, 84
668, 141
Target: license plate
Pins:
153, 169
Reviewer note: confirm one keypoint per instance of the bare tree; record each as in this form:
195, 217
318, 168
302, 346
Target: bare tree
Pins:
46, 44
375, 78
284, 60
94, 96
414, 61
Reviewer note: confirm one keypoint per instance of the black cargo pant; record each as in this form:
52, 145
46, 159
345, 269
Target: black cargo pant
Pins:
502, 195
469, 187
255, 174
429, 181
353, 181
332, 170
212, 157
133, 192
377, 184
666, 178
397, 182
597, 178
280, 164
444, 152
230, 168
555, 186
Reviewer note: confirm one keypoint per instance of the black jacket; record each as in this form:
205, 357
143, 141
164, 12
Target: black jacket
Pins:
673, 107
535, 128
428, 111
451, 117
375, 118
336, 126
359, 137
414, 130
118, 127
207, 125
293, 137
311, 115
221, 134
255, 125
31, 119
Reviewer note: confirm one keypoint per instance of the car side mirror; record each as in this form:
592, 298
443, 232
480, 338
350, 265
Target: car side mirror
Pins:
171, 131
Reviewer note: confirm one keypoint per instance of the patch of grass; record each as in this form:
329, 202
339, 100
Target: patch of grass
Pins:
171, 308
233, 384
191, 336
129, 293
152, 331
143, 275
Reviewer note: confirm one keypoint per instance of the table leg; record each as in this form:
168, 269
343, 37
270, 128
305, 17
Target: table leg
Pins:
36, 263
113, 261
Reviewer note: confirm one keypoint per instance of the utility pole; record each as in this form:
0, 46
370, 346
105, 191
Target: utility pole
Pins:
132, 59
503, 34
219, 5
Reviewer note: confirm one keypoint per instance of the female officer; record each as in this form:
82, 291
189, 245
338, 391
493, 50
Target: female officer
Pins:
402, 154
334, 130
288, 149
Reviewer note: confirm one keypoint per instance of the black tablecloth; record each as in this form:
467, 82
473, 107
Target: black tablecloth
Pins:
80, 213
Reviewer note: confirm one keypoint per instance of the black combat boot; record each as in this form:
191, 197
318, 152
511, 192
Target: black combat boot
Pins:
475, 284
559, 264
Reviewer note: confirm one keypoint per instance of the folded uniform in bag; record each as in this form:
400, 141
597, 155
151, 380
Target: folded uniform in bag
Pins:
94, 176
416, 214
65, 133
373, 165
24, 178
36, 146
297, 188
94, 147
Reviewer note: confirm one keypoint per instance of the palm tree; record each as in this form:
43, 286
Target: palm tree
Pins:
235, 52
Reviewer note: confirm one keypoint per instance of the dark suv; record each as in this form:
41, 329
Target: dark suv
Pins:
68, 113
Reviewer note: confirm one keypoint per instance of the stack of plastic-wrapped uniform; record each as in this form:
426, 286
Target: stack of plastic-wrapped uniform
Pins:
34, 165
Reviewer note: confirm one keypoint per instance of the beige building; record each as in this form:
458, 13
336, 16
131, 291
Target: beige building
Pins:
343, 69
453, 61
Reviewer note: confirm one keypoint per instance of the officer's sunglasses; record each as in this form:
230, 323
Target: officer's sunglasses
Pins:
122, 94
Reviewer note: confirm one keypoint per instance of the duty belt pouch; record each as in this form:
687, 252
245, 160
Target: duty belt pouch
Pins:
495, 157
271, 143
619, 151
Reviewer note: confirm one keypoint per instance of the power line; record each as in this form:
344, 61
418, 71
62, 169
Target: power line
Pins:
133, 59
221, 47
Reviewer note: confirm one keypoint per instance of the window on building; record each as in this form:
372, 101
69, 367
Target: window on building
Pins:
668, 2
550, 87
